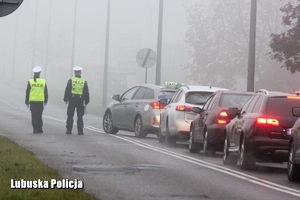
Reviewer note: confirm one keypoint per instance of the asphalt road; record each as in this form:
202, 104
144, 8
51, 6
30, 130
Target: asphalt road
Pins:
122, 166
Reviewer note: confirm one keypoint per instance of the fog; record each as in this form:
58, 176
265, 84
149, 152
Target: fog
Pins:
58, 35
49, 34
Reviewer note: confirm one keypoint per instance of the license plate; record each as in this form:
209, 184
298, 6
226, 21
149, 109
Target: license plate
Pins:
288, 131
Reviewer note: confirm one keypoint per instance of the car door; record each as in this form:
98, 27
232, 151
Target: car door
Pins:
198, 133
171, 113
134, 107
164, 112
120, 110
241, 120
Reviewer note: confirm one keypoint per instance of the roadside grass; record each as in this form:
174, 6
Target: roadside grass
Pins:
17, 163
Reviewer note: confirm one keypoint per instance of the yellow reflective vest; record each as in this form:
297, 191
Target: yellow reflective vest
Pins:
37, 89
77, 85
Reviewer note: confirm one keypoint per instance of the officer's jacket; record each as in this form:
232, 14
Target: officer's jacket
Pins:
36, 91
77, 86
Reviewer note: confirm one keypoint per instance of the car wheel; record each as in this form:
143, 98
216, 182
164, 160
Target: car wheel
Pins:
293, 171
246, 161
107, 123
138, 127
169, 140
227, 160
161, 138
193, 147
208, 150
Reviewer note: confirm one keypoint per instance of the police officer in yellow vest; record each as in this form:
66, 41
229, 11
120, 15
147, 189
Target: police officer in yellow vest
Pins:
77, 96
36, 98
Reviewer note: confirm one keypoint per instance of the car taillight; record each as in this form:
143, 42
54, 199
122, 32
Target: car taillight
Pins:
157, 105
293, 97
222, 118
267, 121
183, 108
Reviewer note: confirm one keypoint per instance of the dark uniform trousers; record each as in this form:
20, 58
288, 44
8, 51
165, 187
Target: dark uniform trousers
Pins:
75, 102
36, 109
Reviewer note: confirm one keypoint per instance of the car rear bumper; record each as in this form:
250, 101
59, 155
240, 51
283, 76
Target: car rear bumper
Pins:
263, 147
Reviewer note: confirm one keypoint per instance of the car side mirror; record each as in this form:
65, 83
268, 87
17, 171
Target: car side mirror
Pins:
197, 110
164, 101
296, 111
232, 112
116, 97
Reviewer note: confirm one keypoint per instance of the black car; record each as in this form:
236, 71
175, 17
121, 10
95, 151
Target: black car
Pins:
293, 171
261, 130
207, 130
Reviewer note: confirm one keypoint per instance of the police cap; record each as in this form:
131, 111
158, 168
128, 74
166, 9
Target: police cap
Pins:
37, 69
77, 68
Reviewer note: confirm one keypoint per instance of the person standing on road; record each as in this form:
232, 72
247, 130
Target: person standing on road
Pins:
76, 96
36, 99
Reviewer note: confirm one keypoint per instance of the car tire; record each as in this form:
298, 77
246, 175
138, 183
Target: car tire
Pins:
169, 140
107, 123
246, 160
193, 147
138, 127
208, 150
293, 171
227, 159
161, 138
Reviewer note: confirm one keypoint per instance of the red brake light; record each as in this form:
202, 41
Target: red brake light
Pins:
223, 114
183, 108
268, 121
156, 105
223, 118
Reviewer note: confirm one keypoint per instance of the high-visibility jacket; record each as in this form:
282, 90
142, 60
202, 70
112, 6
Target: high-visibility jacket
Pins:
37, 89
77, 85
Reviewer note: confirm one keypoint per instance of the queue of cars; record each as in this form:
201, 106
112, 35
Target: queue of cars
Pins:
247, 127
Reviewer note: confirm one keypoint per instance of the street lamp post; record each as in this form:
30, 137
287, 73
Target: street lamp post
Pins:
105, 74
251, 56
159, 43
73, 43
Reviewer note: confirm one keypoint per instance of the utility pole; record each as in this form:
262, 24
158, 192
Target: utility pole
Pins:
47, 45
159, 44
251, 56
34, 36
105, 74
73, 42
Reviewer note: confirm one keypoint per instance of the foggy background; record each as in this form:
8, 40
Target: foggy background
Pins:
196, 44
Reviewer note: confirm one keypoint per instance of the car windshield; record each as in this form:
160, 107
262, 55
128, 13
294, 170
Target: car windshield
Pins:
197, 98
234, 100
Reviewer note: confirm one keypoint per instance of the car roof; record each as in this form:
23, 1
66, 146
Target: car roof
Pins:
202, 88
237, 92
274, 93
150, 85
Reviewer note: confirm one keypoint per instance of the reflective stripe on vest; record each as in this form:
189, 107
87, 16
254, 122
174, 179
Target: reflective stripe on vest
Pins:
37, 89
77, 85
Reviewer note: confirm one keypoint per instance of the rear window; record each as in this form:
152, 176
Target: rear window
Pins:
234, 100
166, 94
281, 106
197, 98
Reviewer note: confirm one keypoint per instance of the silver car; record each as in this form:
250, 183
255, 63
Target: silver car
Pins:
177, 115
137, 110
